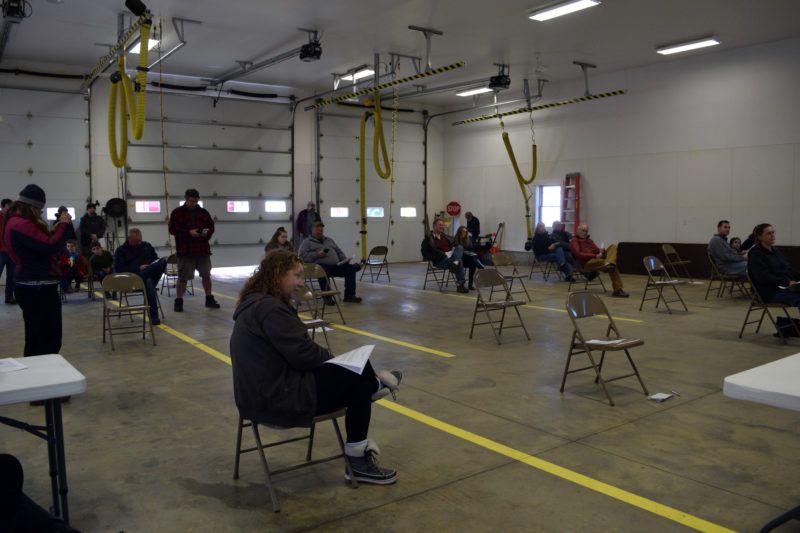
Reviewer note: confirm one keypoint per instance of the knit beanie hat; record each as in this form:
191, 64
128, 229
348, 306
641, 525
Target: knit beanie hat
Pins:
32, 195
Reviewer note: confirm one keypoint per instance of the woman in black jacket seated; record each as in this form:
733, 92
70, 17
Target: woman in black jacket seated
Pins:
772, 275
279, 375
470, 256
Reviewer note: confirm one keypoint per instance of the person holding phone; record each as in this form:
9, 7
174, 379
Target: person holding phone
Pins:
192, 227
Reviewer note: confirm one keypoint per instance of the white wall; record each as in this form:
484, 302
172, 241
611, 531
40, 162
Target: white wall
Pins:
694, 140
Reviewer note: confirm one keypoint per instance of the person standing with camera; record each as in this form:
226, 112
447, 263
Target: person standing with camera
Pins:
35, 249
192, 227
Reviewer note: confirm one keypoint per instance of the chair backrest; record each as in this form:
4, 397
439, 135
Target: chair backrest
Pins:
714, 270
584, 304
379, 250
502, 259
654, 266
489, 278
757, 299
172, 259
313, 270
670, 254
305, 296
123, 282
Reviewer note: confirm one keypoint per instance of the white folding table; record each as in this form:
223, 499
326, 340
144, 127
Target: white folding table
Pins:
777, 384
48, 378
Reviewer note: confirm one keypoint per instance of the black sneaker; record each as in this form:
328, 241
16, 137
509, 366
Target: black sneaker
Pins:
155, 321
178, 305
330, 300
461, 288
210, 302
454, 266
367, 470
352, 299
11, 301
619, 293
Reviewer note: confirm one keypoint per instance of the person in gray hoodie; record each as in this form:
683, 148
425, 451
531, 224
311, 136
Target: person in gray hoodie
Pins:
279, 375
728, 260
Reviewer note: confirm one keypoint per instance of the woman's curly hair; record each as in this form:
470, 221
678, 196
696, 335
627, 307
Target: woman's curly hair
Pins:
267, 277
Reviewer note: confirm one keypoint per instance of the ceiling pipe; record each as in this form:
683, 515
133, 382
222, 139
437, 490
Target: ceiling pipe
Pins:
247, 67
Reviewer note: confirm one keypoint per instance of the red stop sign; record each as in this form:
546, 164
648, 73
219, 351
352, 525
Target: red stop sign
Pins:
453, 209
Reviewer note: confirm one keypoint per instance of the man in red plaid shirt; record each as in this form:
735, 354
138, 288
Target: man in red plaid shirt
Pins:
193, 227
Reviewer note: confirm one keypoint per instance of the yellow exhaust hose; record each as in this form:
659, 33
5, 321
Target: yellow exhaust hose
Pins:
522, 181
384, 174
127, 102
137, 105
117, 157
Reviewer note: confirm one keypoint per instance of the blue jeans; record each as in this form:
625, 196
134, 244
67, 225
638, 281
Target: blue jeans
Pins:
11, 268
458, 252
346, 271
557, 256
735, 269
151, 275
787, 297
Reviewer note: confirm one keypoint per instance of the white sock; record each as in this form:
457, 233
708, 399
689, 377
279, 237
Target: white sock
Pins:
355, 449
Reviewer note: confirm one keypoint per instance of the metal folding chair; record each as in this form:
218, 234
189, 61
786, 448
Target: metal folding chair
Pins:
376, 259
486, 282
758, 304
657, 280
313, 273
581, 305
260, 446
124, 283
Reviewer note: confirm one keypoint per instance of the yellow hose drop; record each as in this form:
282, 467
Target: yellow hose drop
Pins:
118, 157
384, 174
522, 181
128, 102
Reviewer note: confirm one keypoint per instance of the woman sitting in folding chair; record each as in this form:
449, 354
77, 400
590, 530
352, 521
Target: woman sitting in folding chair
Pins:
278, 372
772, 275
470, 256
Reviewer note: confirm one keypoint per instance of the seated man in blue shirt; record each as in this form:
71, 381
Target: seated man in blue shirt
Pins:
139, 257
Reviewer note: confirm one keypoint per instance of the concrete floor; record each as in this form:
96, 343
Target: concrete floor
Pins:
482, 441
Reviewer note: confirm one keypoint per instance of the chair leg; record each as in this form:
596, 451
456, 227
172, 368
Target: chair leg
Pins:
521, 323
347, 465
238, 449
636, 371
273, 496
310, 441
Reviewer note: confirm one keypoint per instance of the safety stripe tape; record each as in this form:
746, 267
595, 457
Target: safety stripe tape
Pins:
539, 107
389, 84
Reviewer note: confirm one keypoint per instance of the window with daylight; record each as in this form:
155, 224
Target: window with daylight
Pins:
549, 204
408, 212
238, 206
374, 212
148, 206
340, 212
275, 206
52, 213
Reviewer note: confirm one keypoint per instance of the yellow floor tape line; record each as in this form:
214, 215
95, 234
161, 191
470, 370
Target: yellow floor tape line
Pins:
564, 473
393, 341
598, 486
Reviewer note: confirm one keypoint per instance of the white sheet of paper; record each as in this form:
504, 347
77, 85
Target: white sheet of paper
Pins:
9, 364
354, 360
340, 263
449, 254
660, 396
599, 341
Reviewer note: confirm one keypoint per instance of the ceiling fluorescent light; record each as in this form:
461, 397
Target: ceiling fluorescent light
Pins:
151, 43
363, 73
686, 46
472, 92
564, 8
